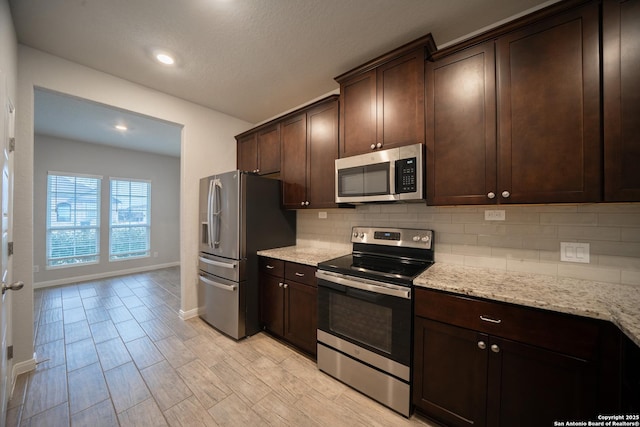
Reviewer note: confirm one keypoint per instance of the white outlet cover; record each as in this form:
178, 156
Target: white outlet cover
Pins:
574, 252
494, 215
322, 215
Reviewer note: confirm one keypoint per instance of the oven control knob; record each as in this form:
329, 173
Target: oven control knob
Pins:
425, 239
362, 235
355, 234
416, 238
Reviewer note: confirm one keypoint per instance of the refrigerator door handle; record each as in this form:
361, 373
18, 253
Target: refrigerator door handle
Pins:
210, 215
218, 285
217, 263
217, 210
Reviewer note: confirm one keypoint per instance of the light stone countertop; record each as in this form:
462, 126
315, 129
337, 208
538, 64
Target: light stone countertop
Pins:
619, 304
304, 254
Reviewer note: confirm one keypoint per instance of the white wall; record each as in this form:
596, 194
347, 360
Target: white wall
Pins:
55, 154
208, 146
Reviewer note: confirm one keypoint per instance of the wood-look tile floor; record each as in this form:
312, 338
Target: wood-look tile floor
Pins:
114, 352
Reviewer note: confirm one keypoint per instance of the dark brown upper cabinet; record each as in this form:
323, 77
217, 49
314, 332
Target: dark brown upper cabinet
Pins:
514, 116
621, 95
259, 150
461, 127
382, 101
548, 78
309, 150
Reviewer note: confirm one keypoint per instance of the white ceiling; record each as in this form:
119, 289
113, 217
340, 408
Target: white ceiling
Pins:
78, 119
251, 59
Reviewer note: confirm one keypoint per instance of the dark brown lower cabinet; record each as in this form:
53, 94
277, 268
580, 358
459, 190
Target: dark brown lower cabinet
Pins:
288, 302
466, 375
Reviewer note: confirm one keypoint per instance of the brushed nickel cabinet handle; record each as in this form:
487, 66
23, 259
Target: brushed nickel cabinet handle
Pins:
490, 320
482, 345
495, 348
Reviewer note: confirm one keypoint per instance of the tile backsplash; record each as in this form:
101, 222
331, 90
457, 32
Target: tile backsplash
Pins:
528, 240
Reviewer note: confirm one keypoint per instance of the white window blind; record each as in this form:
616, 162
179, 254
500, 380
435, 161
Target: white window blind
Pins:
73, 219
129, 227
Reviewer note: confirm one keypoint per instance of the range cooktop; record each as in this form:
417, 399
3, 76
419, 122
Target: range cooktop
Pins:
391, 255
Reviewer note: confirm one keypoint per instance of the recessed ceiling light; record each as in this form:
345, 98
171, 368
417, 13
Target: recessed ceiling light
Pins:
121, 127
165, 58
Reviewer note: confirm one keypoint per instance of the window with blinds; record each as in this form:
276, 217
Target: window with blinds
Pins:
129, 227
73, 219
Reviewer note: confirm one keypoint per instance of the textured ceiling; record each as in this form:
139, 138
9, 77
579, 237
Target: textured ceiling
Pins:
251, 59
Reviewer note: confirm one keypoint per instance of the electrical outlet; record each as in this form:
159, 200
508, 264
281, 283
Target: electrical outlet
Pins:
322, 215
155, 254
574, 252
36, 268
494, 215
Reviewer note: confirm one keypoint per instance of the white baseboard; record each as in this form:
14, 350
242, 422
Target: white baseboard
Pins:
76, 279
22, 367
184, 315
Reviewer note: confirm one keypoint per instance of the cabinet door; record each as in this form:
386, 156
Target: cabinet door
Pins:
530, 386
269, 150
461, 131
323, 150
400, 98
272, 303
301, 318
621, 92
549, 110
450, 373
294, 161
358, 114
248, 153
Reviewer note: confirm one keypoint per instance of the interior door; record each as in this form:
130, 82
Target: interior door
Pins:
6, 190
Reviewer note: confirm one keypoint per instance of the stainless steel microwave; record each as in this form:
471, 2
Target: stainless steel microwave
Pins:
396, 174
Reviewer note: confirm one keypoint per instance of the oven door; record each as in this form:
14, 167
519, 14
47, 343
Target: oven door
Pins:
372, 315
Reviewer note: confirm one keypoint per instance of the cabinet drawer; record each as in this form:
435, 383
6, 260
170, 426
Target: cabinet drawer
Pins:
272, 266
565, 333
300, 273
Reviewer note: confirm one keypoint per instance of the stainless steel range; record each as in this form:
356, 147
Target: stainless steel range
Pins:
365, 312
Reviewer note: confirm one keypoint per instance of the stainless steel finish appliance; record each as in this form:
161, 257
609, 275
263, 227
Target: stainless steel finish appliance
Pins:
365, 312
396, 174
240, 214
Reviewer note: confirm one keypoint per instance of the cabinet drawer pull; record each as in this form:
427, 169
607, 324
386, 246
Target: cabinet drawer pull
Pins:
482, 345
280, 284
285, 286
490, 320
495, 348
270, 267
299, 274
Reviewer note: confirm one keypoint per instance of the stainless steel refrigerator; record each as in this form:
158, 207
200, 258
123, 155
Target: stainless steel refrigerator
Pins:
240, 214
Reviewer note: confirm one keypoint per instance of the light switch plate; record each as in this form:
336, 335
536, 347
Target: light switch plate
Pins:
322, 215
494, 215
574, 252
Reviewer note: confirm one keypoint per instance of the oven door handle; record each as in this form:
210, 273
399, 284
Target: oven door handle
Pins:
396, 291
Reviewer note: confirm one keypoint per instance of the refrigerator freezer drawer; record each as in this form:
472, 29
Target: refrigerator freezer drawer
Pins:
225, 268
223, 305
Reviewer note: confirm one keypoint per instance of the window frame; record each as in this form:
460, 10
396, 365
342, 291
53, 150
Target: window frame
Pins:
73, 217
131, 255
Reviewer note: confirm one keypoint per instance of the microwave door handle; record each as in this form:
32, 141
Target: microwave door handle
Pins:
210, 215
217, 187
392, 178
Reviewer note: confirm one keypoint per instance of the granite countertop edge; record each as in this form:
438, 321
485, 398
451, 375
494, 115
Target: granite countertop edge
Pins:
304, 254
616, 303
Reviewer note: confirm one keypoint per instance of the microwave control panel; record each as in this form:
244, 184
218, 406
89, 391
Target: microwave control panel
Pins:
406, 175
